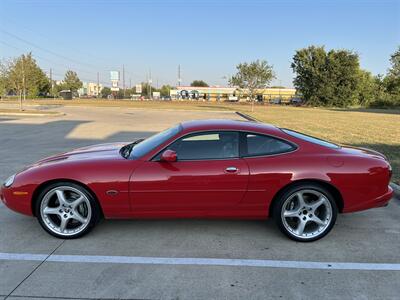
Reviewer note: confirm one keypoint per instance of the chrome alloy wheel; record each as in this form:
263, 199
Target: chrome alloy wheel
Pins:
65, 210
306, 214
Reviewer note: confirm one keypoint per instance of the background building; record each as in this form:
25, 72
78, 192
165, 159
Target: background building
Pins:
217, 93
90, 89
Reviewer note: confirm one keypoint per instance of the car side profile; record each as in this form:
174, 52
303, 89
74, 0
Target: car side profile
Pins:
204, 169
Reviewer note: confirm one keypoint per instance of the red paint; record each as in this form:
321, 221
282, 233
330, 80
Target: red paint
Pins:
181, 189
169, 156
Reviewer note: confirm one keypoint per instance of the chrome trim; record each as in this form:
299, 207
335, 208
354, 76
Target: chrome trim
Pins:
296, 147
231, 169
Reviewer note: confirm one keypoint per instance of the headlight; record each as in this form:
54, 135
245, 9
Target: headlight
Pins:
9, 181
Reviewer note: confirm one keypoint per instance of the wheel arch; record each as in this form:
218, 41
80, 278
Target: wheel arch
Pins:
330, 187
45, 184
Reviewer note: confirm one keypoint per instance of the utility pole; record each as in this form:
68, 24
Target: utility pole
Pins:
179, 75
23, 83
52, 83
130, 83
150, 82
147, 87
123, 78
98, 86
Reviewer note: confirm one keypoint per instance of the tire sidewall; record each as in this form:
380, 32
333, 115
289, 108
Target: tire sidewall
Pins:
93, 203
277, 209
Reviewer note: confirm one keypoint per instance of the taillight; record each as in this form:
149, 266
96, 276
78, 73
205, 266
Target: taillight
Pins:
390, 172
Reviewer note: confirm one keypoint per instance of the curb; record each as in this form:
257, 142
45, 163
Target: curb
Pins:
396, 190
16, 114
247, 117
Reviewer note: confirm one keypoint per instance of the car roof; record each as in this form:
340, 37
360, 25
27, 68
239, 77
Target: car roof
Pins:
227, 124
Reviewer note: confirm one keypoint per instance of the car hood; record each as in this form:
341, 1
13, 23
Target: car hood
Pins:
101, 151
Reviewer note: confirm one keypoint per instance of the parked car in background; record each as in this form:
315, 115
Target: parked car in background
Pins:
296, 101
233, 98
275, 101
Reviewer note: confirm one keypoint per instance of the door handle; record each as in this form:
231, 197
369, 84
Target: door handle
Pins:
231, 170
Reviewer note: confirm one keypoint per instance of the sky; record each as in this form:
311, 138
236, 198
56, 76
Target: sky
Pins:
206, 38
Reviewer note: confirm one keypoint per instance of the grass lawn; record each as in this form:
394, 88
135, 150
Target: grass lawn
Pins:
376, 129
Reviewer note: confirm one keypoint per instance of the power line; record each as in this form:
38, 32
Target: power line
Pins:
54, 63
135, 75
91, 55
48, 60
86, 79
46, 50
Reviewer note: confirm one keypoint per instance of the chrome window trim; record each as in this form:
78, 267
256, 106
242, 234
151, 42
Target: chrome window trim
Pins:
204, 159
296, 147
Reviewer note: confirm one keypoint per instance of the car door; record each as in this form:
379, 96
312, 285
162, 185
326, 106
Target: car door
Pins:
270, 165
208, 175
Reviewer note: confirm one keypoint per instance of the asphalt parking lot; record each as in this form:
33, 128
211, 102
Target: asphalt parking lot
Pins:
179, 259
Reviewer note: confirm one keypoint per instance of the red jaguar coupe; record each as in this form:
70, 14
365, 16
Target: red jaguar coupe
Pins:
204, 169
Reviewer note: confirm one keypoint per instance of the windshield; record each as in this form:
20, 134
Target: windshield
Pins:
310, 139
156, 140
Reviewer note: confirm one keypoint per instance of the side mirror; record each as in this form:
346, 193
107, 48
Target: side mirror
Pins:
168, 156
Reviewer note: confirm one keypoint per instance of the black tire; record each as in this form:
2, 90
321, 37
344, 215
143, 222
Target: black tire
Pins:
95, 214
277, 211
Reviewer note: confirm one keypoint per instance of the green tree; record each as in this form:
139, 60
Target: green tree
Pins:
343, 75
252, 76
326, 78
392, 79
105, 92
72, 81
309, 66
199, 83
57, 88
4, 70
146, 88
368, 88
395, 63
165, 89
25, 77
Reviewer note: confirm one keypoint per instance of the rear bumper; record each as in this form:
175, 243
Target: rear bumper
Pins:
380, 201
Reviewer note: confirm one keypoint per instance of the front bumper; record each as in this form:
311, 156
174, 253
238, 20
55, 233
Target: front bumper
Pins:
19, 202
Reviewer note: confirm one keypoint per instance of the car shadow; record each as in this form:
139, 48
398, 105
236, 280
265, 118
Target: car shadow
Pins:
25, 143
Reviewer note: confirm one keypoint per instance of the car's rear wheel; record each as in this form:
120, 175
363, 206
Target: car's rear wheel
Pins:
67, 210
305, 212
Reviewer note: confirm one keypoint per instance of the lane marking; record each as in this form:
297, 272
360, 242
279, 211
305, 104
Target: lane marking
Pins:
285, 264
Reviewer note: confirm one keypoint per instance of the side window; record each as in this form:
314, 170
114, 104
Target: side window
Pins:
258, 144
207, 145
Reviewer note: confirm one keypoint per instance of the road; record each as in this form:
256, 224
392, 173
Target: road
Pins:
148, 259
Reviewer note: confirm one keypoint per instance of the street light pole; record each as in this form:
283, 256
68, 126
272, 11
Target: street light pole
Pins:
150, 82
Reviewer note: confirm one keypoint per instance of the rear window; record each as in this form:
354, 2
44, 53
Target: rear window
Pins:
257, 145
310, 139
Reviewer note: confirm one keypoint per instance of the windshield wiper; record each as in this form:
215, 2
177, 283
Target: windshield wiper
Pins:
127, 149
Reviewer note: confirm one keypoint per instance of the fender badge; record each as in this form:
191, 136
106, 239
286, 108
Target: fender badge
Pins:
112, 192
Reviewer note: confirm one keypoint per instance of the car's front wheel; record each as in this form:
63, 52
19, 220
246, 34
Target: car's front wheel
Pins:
66, 210
305, 212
